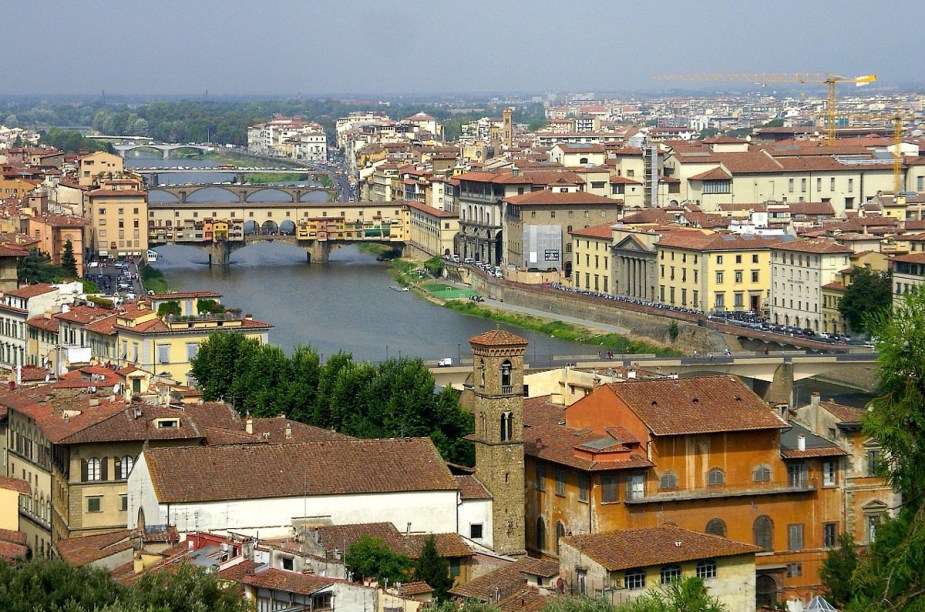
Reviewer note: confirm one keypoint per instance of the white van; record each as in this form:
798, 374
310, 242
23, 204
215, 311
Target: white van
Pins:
445, 362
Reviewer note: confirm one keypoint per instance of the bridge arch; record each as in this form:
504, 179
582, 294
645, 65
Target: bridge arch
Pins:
269, 194
204, 194
315, 195
141, 148
156, 195
251, 227
269, 228
287, 227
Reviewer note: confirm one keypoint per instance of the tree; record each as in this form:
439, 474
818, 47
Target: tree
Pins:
370, 558
868, 293
838, 569
187, 588
673, 330
433, 569
68, 261
36, 267
42, 584
170, 307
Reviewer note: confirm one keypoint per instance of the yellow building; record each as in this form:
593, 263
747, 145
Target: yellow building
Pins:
93, 168
10, 491
430, 230
714, 272
832, 293
118, 219
591, 265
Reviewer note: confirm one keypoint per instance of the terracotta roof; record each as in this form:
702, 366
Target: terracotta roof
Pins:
697, 241
471, 488
238, 571
498, 337
808, 245
815, 446
716, 174
331, 537
30, 291
87, 549
546, 197
604, 230
10, 551
123, 425
501, 582
15, 484
46, 323
13, 537
418, 587
707, 404
118, 193
289, 582
537, 567
848, 415
255, 471
11, 250
182, 295
911, 258
528, 599
648, 546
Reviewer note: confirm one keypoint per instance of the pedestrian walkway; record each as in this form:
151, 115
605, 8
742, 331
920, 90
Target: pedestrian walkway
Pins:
610, 329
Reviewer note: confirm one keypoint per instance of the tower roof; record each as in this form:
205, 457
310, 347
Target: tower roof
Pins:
498, 337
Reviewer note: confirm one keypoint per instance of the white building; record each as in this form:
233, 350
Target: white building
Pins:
282, 137
19, 305
799, 269
266, 488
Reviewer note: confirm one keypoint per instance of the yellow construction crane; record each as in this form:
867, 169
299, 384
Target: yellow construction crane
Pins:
830, 81
898, 118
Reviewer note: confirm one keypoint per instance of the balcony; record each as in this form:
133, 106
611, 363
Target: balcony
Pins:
721, 491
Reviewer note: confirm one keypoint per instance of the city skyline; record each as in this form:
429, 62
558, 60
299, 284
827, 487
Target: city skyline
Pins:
325, 47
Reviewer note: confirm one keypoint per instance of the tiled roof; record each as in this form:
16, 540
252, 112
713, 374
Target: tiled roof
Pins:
707, 404
501, 582
815, 446
289, 582
123, 425
537, 567
648, 546
13, 537
813, 246
238, 571
528, 599
29, 291
845, 414
183, 295
46, 323
546, 197
716, 174
498, 337
911, 258
546, 437
255, 471
8, 550
87, 549
696, 241
449, 545
15, 484
471, 488
604, 230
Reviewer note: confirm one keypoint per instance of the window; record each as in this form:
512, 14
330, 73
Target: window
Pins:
635, 486
506, 426
719, 259
560, 482
829, 534
192, 349
762, 530
761, 473
871, 523
608, 489
795, 536
719, 278
754, 276
94, 504
706, 568
716, 527
738, 276
829, 474
475, 531
796, 475
123, 503
716, 477
125, 466
634, 579
560, 533
287, 563
671, 573
582, 488
668, 481
163, 353
540, 476
540, 534
794, 569
873, 462
93, 470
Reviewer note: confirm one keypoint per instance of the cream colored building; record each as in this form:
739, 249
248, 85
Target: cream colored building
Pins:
118, 219
799, 269
714, 272
95, 167
430, 230
591, 258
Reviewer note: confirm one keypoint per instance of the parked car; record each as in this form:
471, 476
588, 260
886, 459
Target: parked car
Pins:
445, 362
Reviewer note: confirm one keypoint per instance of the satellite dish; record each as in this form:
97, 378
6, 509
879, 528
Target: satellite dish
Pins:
116, 388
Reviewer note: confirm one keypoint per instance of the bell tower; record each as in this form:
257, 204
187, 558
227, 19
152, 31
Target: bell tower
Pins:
507, 127
498, 384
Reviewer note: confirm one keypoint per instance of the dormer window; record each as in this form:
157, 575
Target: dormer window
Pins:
167, 423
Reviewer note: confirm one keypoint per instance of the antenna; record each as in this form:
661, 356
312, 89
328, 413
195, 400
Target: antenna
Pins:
116, 388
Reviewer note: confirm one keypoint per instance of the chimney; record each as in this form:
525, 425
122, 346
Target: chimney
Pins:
801, 443
249, 424
288, 431
814, 411
18, 375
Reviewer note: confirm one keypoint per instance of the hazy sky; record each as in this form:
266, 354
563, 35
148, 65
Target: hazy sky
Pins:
433, 46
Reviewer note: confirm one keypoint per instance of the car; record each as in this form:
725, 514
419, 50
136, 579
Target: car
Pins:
468, 261
445, 362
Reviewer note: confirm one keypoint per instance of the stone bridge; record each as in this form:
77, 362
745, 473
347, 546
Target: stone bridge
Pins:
242, 193
165, 148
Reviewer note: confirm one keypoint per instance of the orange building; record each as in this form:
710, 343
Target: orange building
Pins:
704, 454
53, 231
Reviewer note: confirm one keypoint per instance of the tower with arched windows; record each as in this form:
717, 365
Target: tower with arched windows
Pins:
498, 386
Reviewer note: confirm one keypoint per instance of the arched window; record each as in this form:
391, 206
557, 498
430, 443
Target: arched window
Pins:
668, 480
716, 477
506, 368
765, 591
716, 527
482, 370
507, 426
126, 466
763, 530
671, 573
540, 533
560, 533
761, 473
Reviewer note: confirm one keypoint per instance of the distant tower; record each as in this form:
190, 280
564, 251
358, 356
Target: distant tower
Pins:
507, 127
498, 384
